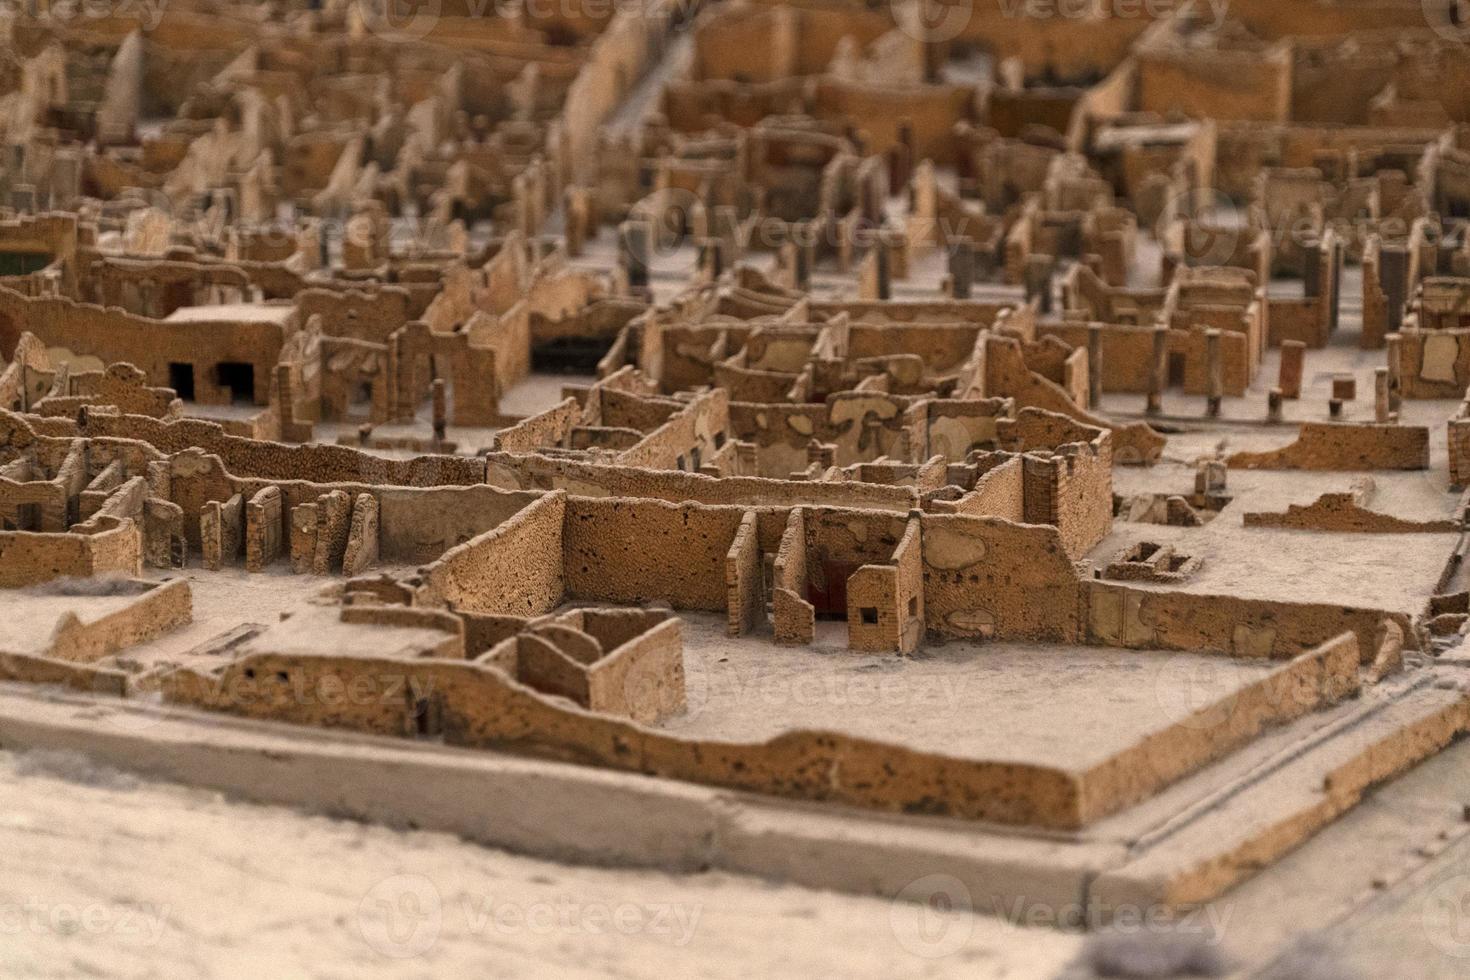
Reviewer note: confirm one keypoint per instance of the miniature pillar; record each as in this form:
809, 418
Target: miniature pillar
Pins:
961, 268
441, 414
1094, 365
711, 258
575, 205
1214, 373
287, 408
1289, 378
1157, 371
900, 158
1273, 405
806, 254
880, 252
1393, 276
634, 237
1395, 344
787, 259
1038, 280
1334, 285
1381, 407
1311, 269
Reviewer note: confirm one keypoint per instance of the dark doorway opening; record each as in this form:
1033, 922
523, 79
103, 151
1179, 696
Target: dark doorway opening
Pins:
181, 379
830, 597
1176, 369
570, 355
240, 379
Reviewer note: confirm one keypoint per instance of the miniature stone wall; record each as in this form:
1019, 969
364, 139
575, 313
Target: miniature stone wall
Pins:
470, 576
1344, 446
316, 463
112, 547
986, 578
151, 345
636, 551
1142, 619
744, 575
159, 609
793, 618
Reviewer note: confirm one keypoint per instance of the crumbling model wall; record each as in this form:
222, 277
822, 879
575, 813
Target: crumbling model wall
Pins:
151, 345
159, 609
1141, 619
1344, 446
473, 576
114, 547
316, 463
636, 551
986, 578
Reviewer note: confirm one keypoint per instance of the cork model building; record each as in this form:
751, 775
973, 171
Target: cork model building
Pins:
1040, 437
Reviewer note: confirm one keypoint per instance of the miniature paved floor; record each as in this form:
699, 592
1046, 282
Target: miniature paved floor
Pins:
1383, 571
31, 617
1070, 707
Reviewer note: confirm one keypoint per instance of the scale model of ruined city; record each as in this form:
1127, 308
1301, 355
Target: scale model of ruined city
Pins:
824, 441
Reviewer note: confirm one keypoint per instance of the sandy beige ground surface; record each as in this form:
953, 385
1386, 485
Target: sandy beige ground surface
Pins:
1384, 571
108, 876
1046, 704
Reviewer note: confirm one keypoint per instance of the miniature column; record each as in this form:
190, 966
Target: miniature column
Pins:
961, 268
880, 258
1038, 280
634, 238
1214, 373
1094, 365
1157, 373
1289, 378
575, 206
786, 261
711, 258
1273, 405
1393, 276
1381, 410
1395, 345
441, 413
900, 158
803, 266
1312, 268
806, 253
